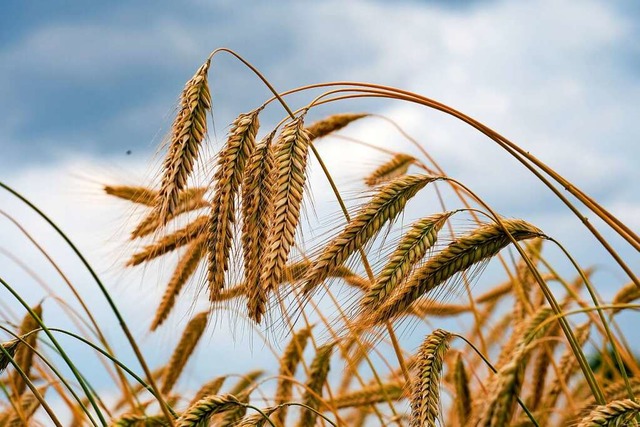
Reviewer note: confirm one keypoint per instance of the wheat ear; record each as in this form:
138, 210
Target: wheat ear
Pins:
10, 348
183, 271
24, 353
137, 420
142, 195
199, 413
286, 185
396, 166
289, 361
29, 404
331, 124
228, 177
209, 388
189, 200
318, 372
616, 413
463, 402
383, 208
190, 337
425, 395
370, 395
188, 131
169, 243
413, 246
481, 244
256, 196
628, 293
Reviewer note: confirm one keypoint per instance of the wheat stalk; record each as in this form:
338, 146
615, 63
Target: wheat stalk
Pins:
482, 243
190, 337
396, 166
383, 208
230, 169
413, 246
286, 185
183, 271
188, 131
331, 124
425, 395
256, 195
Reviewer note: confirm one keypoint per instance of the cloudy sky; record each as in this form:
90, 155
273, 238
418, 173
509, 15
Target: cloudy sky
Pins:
82, 85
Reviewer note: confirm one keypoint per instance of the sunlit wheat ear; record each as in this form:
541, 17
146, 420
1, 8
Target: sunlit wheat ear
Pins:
383, 208
286, 185
29, 405
331, 124
289, 361
169, 243
396, 166
257, 419
141, 195
480, 244
524, 279
231, 163
463, 402
209, 388
413, 246
423, 308
183, 271
190, 337
188, 131
10, 347
318, 372
616, 413
199, 413
425, 395
370, 395
136, 420
626, 295
24, 354
188, 200
567, 366
256, 195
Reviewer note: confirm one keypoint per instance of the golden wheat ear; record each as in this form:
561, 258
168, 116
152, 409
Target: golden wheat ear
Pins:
331, 124
386, 204
397, 166
188, 131
425, 397
318, 372
616, 413
230, 169
199, 413
482, 243
25, 353
286, 185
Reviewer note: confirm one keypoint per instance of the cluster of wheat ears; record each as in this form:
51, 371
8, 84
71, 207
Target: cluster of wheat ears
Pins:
521, 361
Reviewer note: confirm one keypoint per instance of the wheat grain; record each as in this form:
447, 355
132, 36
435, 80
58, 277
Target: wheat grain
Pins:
383, 208
395, 167
425, 395
188, 131
228, 177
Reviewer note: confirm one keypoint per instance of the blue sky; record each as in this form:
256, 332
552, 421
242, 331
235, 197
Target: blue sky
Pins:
82, 83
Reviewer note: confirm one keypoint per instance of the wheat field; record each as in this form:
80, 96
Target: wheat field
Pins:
348, 304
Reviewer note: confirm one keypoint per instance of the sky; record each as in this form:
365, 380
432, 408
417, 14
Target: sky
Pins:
88, 91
